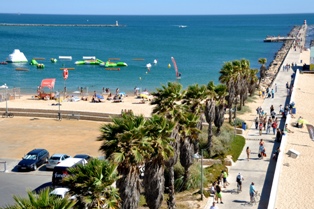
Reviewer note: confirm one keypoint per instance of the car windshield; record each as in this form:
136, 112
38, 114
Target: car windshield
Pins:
54, 158
30, 157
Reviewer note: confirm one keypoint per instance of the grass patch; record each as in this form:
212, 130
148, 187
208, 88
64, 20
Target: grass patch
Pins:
236, 147
213, 172
245, 109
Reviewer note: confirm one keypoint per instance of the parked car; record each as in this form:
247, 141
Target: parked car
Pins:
33, 160
61, 170
55, 159
62, 192
83, 156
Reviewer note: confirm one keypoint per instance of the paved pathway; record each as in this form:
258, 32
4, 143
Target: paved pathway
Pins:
255, 170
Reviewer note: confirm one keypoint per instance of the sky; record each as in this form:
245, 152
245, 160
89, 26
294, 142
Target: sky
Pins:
157, 7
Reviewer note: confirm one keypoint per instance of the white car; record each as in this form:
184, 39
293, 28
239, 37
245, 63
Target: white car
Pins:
62, 192
55, 159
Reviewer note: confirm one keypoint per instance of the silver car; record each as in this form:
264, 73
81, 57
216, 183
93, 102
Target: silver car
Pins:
55, 159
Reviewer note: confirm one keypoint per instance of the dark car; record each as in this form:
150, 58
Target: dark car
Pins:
83, 156
33, 160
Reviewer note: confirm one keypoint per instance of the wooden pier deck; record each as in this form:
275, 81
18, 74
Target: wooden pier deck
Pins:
277, 38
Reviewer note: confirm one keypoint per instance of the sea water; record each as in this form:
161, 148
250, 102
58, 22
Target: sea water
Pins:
200, 49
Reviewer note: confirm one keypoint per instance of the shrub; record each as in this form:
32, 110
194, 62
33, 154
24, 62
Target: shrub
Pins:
237, 122
221, 144
194, 180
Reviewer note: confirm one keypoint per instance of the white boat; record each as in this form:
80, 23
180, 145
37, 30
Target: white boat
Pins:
182, 26
65, 57
17, 56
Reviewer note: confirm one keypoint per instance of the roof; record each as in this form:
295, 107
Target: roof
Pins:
36, 151
70, 162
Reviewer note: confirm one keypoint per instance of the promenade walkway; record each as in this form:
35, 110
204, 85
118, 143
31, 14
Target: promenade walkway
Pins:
260, 171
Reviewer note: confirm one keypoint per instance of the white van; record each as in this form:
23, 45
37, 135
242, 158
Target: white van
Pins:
61, 170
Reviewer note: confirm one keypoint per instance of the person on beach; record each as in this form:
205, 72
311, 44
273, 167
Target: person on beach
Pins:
286, 129
248, 151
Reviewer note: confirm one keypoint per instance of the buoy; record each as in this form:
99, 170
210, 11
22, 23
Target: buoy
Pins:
155, 61
140, 78
169, 66
146, 72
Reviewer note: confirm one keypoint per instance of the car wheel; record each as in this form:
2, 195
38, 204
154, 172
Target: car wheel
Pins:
35, 167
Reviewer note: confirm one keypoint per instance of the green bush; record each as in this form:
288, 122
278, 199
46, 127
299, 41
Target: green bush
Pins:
194, 180
237, 122
221, 144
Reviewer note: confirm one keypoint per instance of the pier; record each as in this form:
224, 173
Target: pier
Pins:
277, 38
61, 25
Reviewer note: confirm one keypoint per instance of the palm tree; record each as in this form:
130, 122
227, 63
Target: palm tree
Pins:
221, 93
193, 100
167, 100
41, 200
228, 78
159, 130
253, 81
125, 144
92, 184
245, 76
189, 135
263, 69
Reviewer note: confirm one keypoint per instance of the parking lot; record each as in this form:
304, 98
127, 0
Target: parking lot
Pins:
21, 135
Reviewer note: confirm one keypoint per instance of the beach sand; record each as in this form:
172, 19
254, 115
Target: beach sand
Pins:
295, 184
21, 134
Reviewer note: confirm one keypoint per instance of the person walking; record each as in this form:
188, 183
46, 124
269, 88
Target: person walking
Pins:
272, 93
276, 87
256, 123
274, 126
239, 180
260, 128
218, 194
248, 152
214, 206
252, 192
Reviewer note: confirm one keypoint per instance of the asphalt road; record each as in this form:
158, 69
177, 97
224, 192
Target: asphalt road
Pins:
18, 183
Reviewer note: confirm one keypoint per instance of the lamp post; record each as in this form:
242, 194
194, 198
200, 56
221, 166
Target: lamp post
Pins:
197, 156
202, 174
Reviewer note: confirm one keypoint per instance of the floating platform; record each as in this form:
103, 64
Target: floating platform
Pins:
277, 39
38, 58
114, 58
116, 69
68, 68
65, 57
21, 69
138, 59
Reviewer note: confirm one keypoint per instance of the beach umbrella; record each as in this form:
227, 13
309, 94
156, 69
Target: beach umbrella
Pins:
145, 96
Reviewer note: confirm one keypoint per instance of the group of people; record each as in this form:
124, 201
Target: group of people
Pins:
264, 122
215, 188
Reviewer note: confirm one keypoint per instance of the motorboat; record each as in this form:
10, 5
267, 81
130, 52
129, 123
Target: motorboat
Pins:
65, 57
53, 60
38, 65
16, 56
3, 63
